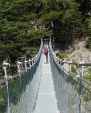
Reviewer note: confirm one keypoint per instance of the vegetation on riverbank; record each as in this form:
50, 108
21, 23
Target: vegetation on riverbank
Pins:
22, 21
62, 55
88, 74
3, 101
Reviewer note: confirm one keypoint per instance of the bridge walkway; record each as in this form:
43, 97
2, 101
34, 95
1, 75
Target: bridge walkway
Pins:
46, 101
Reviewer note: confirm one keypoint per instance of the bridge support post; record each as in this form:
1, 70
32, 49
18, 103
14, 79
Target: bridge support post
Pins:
79, 94
25, 63
5, 65
19, 67
69, 68
81, 74
30, 63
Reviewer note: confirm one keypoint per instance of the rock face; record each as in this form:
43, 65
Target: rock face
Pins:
80, 53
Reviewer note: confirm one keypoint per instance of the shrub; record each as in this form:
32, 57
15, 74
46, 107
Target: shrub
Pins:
62, 55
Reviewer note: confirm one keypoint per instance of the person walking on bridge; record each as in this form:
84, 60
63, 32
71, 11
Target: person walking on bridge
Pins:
46, 53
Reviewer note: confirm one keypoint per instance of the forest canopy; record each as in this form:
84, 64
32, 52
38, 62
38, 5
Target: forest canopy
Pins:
22, 21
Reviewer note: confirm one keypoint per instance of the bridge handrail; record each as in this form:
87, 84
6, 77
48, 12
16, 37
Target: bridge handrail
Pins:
33, 61
36, 57
60, 62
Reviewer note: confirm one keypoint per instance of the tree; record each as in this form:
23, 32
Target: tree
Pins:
85, 7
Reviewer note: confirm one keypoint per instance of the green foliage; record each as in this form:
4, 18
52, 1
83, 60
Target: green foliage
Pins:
87, 96
88, 25
62, 55
84, 7
52, 15
88, 74
2, 100
73, 68
88, 30
20, 18
33, 51
30, 51
15, 27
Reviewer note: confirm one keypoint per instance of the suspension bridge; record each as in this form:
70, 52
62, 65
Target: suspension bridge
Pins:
44, 88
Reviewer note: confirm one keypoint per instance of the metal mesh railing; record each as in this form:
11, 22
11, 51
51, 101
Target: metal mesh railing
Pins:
80, 85
17, 78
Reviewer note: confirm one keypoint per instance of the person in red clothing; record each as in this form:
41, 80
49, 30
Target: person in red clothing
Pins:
46, 53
